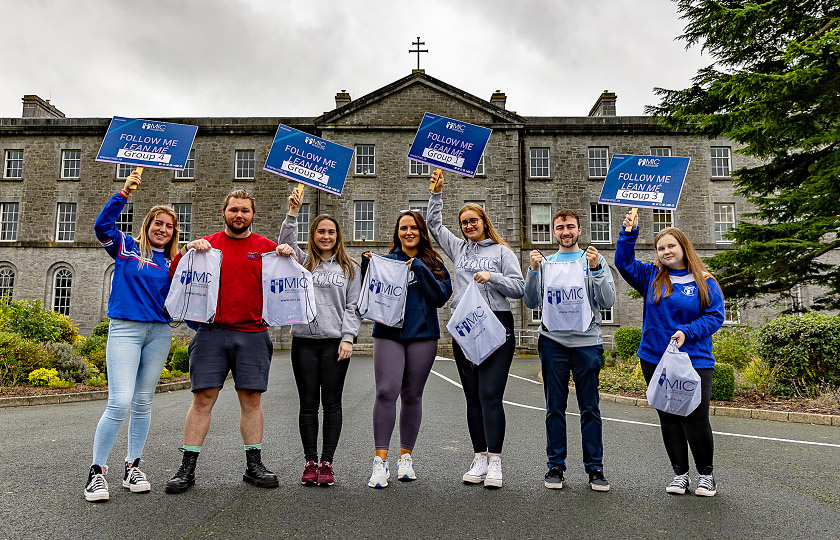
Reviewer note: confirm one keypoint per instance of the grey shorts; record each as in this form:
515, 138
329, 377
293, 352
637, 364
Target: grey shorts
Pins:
215, 352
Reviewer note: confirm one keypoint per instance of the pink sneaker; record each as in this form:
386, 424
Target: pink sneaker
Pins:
310, 474
325, 474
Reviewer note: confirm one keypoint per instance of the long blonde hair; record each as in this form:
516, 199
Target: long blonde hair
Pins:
313, 253
692, 263
171, 247
489, 229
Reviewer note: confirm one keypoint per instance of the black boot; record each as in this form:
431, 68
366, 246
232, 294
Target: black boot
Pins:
256, 473
185, 477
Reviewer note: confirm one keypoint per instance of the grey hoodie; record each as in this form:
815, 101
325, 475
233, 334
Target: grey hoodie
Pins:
506, 279
336, 295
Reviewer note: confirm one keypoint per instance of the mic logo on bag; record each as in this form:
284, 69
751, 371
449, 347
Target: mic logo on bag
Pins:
572, 295
378, 287
472, 320
288, 284
676, 384
662, 378
188, 277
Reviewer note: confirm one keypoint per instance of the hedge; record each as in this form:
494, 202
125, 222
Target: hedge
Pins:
627, 339
805, 349
723, 382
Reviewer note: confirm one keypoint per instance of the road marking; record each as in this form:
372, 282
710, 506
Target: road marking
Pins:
524, 379
621, 420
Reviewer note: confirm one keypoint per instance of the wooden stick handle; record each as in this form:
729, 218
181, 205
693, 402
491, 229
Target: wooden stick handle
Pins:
435, 175
300, 188
138, 170
633, 212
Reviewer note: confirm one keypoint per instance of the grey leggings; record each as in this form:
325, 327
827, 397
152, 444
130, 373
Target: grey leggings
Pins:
401, 370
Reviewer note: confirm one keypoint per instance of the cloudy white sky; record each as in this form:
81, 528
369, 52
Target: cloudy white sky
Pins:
171, 58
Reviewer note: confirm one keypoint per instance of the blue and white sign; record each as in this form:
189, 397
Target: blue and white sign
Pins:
449, 144
644, 181
147, 143
309, 159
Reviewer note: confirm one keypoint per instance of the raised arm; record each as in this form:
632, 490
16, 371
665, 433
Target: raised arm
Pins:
449, 243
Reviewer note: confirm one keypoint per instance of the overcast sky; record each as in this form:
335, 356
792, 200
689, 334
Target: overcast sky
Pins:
171, 58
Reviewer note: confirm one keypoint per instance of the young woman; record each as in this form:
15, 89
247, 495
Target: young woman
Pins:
684, 303
321, 350
481, 256
403, 357
139, 335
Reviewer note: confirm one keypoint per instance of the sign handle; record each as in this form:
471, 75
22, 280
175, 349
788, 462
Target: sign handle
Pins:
138, 170
299, 189
633, 212
435, 175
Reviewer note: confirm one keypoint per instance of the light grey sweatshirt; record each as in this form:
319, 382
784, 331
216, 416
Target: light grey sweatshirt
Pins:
336, 294
600, 288
506, 279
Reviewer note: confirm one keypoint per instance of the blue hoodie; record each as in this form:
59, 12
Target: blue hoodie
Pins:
680, 311
425, 294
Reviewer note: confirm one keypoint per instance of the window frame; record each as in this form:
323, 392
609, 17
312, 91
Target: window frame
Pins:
65, 159
598, 209
68, 234
7, 281
547, 224
244, 164
418, 168
54, 297
184, 225
9, 227
360, 167
357, 221
596, 168
728, 161
719, 235
655, 225
654, 151
302, 236
189, 169
7, 165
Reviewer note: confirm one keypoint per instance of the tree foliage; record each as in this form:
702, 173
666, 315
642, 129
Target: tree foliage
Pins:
774, 87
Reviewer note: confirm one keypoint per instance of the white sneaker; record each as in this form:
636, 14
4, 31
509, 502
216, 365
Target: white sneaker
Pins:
494, 472
478, 470
96, 488
405, 468
135, 479
379, 478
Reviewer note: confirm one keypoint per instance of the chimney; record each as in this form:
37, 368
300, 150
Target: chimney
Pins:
35, 107
605, 106
498, 99
342, 98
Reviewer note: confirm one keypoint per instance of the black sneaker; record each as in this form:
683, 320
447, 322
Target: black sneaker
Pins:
256, 473
96, 488
706, 486
597, 481
134, 479
679, 485
554, 478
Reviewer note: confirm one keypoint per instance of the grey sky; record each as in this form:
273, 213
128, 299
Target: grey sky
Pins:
170, 58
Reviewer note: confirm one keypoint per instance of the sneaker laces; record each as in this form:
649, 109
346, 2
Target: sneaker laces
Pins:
378, 467
681, 480
706, 481
494, 465
135, 475
97, 482
405, 462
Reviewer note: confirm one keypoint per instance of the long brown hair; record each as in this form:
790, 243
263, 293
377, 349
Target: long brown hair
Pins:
313, 252
489, 229
692, 263
171, 247
425, 251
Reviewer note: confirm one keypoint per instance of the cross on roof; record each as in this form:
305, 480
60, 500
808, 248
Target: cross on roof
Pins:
418, 50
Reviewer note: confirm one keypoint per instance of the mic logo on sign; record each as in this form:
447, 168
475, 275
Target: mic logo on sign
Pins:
377, 287
472, 320
188, 277
154, 127
454, 126
648, 162
290, 283
312, 141
573, 295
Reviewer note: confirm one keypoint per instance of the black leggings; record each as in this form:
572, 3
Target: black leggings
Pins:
680, 432
320, 379
484, 388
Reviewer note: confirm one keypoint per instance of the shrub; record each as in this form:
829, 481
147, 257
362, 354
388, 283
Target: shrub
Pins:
176, 373
68, 363
806, 349
626, 377
627, 339
760, 376
18, 357
42, 377
60, 383
95, 378
32, 321
166, 374
723, 382
734, 346
93, 348
179, 358
101, 329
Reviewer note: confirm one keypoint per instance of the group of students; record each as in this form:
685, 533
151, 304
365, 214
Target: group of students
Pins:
682, 301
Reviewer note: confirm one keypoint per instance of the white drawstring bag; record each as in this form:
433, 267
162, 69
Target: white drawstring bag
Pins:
288, 295
384, 289
194, 291
675, 385
475, 327
565, 305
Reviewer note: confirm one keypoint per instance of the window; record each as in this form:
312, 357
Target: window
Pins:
65, 228
14, 164
541, 223
536, 315
724, 220
7, 282
421, 207
539, 163
303, 223
661, 220
365, 159
479, 169
720, 161
363, 222
661, 151
730, 312
245, 164
71, 163
9, 214
607, 315
124, 170
62, 285
599, 223
416, 168
184, 213
189, 168
125, 221
598, 161
792, 299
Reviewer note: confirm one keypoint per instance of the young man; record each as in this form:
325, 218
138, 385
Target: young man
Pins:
237, 342
585, 279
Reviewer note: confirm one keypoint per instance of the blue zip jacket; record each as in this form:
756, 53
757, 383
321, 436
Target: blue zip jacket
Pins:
680, 311
136, 295
425, 295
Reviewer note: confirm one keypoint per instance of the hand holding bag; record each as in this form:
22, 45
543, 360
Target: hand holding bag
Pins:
288, 295
194, 291
565, 305
475, 327
384, 290
675, 385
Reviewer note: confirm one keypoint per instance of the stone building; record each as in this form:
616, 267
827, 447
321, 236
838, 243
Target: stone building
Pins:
52, 188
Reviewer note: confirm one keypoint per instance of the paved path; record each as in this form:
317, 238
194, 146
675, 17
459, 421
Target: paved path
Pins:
768, 488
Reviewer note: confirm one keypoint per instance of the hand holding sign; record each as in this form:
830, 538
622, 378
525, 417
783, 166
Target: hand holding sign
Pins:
133, 180
631, 220
436, 185
295, 200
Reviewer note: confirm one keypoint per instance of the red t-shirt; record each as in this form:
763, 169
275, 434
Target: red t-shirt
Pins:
240, 285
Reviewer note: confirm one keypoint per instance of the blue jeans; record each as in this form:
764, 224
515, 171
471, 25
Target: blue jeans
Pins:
584, 363
135, 355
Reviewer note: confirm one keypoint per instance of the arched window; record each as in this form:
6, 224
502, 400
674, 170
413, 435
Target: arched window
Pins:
62, 286
7, 282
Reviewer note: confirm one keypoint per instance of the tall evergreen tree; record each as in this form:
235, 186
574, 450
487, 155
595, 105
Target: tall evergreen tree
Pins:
774, 87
